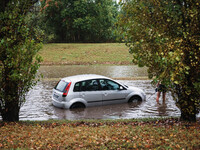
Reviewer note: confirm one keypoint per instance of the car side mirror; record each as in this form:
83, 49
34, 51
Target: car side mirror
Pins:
121, 88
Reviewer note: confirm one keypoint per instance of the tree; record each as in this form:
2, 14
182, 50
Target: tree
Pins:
18, 57
165, 36
80, 20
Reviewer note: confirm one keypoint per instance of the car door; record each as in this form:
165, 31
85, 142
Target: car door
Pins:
113, 92
90, 92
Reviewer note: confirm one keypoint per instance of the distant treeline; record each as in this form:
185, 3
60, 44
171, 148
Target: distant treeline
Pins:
75, 20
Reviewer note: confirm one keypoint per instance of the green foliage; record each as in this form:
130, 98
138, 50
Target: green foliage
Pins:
165, 36
80, 20
19, 61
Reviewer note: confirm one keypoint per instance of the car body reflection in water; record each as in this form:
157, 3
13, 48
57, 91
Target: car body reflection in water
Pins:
39, 105
117, 111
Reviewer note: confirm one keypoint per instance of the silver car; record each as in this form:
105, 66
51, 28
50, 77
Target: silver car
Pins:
87, 90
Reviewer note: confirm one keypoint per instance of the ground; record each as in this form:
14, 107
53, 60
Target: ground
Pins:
167, 133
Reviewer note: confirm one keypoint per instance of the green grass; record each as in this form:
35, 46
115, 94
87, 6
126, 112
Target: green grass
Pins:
120, 134
81, 54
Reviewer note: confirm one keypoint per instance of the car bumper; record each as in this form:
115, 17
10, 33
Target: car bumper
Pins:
60, 104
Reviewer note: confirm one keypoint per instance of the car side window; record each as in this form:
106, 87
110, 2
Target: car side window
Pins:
109, 85
92, 85
77, 87
88, 85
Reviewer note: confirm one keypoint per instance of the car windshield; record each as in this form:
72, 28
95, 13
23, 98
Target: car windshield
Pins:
61, 86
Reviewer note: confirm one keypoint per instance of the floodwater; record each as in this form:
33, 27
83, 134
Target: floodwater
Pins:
109, 71
39, 106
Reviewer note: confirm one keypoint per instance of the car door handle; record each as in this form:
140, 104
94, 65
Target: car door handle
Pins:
105, 94
83, 94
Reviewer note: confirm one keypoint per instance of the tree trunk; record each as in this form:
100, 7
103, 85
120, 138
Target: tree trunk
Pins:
188, 114
11, 112
3, 5
188, 117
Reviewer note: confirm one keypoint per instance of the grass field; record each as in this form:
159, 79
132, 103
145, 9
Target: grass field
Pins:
121, 134
103, 53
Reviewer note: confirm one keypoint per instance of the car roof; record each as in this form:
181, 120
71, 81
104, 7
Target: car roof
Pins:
77, 78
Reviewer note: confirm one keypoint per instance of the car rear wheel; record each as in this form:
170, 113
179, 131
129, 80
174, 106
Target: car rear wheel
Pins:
77, 105
135, 99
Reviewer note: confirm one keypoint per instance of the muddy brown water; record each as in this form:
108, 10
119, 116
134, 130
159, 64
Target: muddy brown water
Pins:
39, 105
110, 71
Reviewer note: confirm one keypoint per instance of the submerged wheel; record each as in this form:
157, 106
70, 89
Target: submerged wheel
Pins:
77, 105
135, 98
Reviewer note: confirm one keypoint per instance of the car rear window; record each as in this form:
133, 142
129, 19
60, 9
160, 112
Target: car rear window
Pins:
61, 86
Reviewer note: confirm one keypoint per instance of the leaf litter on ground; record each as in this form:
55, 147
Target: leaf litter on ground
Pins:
167, 133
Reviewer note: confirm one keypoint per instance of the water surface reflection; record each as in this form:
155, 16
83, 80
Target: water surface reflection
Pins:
109, 71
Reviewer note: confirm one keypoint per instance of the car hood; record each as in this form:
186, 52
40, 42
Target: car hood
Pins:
135, 89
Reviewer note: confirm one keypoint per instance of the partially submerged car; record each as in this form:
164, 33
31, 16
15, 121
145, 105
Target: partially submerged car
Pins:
87, 90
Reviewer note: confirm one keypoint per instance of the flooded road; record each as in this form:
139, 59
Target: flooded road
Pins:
39, 105
109, 71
